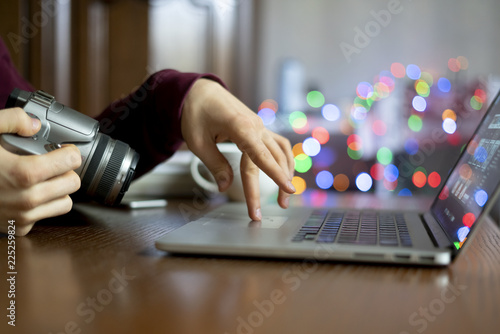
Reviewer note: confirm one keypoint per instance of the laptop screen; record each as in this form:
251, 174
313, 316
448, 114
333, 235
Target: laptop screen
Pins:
473, 181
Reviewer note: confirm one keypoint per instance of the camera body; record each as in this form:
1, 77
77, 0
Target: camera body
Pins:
108, 165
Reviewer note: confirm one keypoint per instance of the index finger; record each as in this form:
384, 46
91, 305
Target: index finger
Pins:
262, 157
15, 120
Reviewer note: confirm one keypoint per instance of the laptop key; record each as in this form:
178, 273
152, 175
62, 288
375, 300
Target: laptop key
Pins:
355, 227
311, 227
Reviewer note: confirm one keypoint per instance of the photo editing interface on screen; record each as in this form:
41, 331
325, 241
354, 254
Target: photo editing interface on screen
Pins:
473, 181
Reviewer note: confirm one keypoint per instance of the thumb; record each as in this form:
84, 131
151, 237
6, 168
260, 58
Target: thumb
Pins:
15, 120
217, 164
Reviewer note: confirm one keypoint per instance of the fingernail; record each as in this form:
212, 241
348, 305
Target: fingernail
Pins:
35, 123
258, 214
222, 181
291, 187
287, 201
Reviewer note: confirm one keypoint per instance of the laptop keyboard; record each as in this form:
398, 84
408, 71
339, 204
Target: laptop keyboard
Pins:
355, 227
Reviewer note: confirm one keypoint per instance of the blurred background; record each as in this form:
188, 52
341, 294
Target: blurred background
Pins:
375, 95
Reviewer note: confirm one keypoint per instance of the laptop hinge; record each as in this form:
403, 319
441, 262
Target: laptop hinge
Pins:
436, 232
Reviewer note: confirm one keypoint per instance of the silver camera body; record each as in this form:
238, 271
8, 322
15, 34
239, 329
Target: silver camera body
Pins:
108, 165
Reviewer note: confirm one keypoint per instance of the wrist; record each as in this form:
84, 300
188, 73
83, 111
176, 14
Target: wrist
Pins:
200, 95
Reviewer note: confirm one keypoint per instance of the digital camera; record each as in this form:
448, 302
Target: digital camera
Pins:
108, 165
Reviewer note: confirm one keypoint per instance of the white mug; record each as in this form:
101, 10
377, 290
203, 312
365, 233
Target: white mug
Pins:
232, 153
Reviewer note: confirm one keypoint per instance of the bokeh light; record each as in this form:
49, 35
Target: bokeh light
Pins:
475, 103
428, 78
270, 104
341, 182
454, 65
297, 119
405, 192
364, 182
465, 171
444, 85
422, 88
354, 155
299, 184
382, 91
391, 173
330, 112
411, 146
419, 103
480, 154
321, 135
448, 113
445, 192
354, 145
387, 79
311, 146
415, 123
449, 125
359, 113
364, 90
267, 115
480, 95
379, 127
297, 149
303, 163
325, 158
462, 233
384, 155
318, 197
413, 72
377, 171
315, 99
473, 145
419, 179
481, 197
398, 70
324, 179
390, 186
434, 179
469, 219
454, 139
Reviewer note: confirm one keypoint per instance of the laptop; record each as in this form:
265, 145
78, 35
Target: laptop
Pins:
432, 238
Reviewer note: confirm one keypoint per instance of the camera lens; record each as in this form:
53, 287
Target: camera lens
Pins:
110, 169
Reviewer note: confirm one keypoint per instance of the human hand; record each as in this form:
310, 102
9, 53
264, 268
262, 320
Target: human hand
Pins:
212, 115
34, 187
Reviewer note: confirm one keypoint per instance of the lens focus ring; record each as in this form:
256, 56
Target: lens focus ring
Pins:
113, 167
110, 170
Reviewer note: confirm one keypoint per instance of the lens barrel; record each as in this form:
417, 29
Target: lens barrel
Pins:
110, 170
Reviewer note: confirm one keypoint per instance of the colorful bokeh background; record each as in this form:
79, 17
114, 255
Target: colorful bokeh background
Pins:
401, 133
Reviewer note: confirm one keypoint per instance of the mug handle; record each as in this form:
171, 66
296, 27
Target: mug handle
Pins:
208, 185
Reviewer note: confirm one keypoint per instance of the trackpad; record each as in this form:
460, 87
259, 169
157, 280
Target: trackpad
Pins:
231, 220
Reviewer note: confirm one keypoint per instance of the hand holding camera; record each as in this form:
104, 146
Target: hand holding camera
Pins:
34, 187
43, 161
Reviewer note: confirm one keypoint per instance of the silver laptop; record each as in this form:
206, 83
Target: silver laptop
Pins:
434, 237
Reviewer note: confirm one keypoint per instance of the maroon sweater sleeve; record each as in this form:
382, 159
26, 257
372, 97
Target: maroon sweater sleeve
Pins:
9, 76
149, 119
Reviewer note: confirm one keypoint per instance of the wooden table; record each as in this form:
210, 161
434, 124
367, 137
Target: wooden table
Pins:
96, 270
